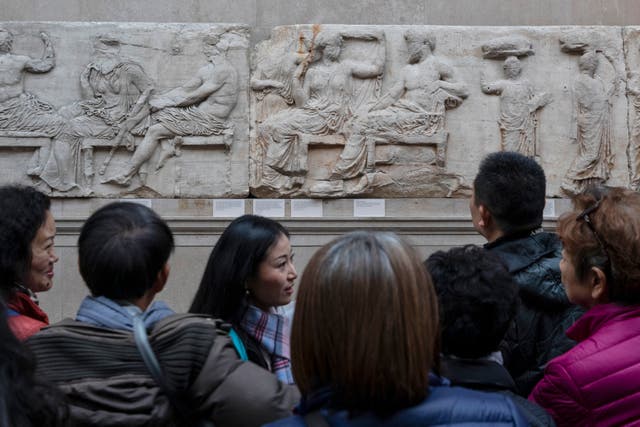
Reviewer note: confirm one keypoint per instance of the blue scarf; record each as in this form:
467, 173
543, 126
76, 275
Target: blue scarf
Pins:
104, 312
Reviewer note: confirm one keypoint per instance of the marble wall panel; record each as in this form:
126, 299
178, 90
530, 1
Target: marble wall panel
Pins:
409, 111
125, 109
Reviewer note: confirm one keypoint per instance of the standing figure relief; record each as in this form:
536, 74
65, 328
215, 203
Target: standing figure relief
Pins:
592, 98
519, 107
325, 99
21, 111
198, 108
633, 91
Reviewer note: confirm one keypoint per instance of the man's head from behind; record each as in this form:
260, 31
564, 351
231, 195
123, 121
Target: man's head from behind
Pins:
477, 297
122, 249
508, 195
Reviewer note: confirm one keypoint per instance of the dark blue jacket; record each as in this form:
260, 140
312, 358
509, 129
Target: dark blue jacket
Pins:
445, 406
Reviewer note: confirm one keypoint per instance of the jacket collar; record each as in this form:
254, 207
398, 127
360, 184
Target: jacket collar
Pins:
477, 374
600, 316
520, 250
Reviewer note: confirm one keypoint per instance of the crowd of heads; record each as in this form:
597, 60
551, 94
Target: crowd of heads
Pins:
372, 319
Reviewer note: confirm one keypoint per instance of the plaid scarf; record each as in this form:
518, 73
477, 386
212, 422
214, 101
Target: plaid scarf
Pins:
271, 330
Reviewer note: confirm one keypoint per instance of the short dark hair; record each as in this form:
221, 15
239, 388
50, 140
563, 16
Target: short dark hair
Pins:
512, 187
23, 210
366, 324
234, 260
121, 249
478, 299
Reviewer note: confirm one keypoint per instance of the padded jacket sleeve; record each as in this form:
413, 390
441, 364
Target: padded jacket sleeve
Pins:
237, 393
559, 395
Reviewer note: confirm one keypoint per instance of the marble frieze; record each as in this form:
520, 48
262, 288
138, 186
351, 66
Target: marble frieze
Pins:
322, 111
113, 109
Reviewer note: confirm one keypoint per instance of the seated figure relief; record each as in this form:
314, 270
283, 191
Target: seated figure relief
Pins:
412, 111
112, 86
325, 103
328, 112
198, 108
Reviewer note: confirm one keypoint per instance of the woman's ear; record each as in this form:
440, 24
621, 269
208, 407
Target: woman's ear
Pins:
599, 286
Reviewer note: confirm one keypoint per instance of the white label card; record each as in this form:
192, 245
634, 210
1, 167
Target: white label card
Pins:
306, 208
228, 208
369, 207
549, 209
273, 208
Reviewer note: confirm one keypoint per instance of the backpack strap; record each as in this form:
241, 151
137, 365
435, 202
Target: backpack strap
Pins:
153, 366
238, 344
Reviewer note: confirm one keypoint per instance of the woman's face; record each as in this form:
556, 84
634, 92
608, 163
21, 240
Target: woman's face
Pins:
40, 275
578, 292
273, 284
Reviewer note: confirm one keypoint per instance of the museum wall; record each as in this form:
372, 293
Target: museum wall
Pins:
418, 185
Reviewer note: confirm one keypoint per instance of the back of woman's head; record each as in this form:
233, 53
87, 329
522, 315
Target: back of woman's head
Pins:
604, 231
234, 260
23, 210
366, 323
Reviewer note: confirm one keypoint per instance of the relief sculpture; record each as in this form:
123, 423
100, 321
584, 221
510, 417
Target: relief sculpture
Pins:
112, 87
633, 91
324, 104
198, 108
411, 111
21, 111
592, 108
375, 129
520, 102
174, 110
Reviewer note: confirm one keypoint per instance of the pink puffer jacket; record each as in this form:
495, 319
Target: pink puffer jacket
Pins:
596, 383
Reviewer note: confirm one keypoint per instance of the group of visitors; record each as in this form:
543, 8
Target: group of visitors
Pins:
533, 328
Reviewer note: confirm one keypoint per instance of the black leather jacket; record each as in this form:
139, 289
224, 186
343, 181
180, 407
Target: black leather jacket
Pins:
537, 334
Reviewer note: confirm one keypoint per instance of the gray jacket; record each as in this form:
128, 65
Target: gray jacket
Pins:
107, 384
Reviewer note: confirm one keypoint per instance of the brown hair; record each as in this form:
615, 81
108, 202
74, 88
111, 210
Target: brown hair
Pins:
616, 220
366, 324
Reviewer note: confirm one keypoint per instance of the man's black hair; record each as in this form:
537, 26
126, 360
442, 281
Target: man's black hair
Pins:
121, 249
512, 187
